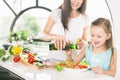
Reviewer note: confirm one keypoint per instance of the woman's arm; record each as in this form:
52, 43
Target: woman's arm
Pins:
85, 37
47, 36
86, 33
59, 40
49, 25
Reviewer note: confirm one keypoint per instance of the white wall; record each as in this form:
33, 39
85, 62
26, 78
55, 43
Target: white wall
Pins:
114, 5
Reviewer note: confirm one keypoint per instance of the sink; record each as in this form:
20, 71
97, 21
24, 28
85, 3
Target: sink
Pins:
5, 74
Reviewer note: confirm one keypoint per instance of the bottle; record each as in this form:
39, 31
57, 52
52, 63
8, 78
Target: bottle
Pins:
67, 47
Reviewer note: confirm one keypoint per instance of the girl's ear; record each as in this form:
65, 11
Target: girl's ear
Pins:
109, 36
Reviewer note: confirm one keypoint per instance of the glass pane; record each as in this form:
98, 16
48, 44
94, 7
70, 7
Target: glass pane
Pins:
32, 21
18, 5
38, 17
6, 18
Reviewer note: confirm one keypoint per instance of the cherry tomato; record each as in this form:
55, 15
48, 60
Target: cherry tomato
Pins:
62, 64
31, 60
82, 66
16, 58
30, 55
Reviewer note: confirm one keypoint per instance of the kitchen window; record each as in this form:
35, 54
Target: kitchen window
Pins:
31, 15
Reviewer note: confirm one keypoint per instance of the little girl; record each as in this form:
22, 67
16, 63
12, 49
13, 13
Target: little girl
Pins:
100, 54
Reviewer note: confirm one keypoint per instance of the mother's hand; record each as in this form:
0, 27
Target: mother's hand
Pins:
60, 42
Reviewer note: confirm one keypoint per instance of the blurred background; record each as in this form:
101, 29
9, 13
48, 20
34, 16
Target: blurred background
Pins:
33, 20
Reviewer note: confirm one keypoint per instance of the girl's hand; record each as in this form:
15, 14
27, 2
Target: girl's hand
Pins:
69, 55
97, 69
81, 43
68, 52
60, 42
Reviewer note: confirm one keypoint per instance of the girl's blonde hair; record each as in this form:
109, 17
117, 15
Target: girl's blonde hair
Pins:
106, 25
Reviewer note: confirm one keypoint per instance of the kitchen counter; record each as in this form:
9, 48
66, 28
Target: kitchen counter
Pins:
30, 73
26, 72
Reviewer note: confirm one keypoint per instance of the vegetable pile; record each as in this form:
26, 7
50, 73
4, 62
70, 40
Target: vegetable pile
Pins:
19, 53
73, 65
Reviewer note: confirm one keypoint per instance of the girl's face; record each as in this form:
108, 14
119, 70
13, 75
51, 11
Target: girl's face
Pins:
98, 36
75, 4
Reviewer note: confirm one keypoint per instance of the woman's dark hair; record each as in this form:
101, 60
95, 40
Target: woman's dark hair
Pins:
66, 11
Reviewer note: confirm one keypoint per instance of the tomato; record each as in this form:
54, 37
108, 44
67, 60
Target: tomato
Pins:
31, 60
85, 66
30, 55
16, 58
62, 64
82, 66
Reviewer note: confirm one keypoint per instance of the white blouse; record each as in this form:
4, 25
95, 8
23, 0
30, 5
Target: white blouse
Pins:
76, 26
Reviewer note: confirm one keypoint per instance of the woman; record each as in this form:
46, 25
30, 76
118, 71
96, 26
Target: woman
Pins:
67, 23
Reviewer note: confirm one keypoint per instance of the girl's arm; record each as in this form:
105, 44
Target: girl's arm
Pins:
78, 57
82, 46
113, 65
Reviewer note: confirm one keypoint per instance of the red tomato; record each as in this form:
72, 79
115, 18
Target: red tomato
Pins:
16, 58
85, 66
31, 60
62, 64
82, 66
30, 55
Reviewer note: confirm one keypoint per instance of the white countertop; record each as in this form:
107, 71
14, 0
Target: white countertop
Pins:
30, 73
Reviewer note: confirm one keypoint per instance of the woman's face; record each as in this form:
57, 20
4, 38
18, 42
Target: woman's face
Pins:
98, 36
75, 4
